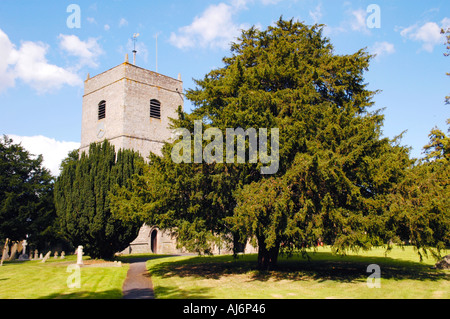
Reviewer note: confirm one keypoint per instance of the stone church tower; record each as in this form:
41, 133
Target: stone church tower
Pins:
130, 107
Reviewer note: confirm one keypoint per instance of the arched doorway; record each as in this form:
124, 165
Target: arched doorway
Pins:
153, 241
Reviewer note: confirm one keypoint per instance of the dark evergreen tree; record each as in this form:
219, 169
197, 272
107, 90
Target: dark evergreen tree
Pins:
82, 199
336, 171
26, 196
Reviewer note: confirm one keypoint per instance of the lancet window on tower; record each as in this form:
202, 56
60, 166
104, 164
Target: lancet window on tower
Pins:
102, 110
155, 109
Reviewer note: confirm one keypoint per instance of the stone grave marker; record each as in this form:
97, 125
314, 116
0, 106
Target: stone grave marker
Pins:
80, 255
24, 255
47, 255
13, 252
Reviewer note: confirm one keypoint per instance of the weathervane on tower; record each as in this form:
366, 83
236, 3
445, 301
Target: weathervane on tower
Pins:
135, 36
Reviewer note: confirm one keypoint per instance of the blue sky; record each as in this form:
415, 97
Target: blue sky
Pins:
43, 62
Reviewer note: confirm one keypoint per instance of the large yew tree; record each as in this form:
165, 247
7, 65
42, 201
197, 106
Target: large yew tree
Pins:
336, 171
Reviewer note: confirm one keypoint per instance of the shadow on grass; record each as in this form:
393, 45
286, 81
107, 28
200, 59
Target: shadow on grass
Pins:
323, 266
128, 259
108, 294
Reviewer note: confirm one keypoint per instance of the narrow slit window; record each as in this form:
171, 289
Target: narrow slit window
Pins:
155, 109
102, 110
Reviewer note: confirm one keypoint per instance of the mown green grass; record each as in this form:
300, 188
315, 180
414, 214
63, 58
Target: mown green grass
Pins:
37, 280
325, 276
403, 276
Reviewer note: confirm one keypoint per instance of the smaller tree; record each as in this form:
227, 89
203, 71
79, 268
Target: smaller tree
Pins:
82, 199
420, 203
438, 149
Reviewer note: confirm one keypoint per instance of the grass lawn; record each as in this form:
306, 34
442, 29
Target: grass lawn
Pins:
403, 276
37, 280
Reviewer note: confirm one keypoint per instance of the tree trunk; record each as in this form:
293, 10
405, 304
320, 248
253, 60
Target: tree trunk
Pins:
267, 258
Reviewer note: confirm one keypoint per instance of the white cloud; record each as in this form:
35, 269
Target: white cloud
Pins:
316, 14
91, 20
429, 34
445, 23
354, 20
213, 28
30, 65
106, 27
267, 2
87, 51
53, 151
358, 23
243, 3
382, 48
6, 74
123, 22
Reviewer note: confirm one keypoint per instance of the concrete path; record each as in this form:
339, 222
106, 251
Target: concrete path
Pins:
138, 284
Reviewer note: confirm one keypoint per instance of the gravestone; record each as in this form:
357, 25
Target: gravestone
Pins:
55, 255
24, 255
47, 255
444, 263
80, 255
5, 252
13, 252
41, 256
63, 255
36, 254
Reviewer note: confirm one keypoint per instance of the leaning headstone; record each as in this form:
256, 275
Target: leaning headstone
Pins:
80, 255
19, 247
5, 252
63, 255
3, 257
13, 252
444, 263
47, 255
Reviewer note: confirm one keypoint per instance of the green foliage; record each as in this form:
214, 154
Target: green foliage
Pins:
82, 199
419, 208
335, 169
337, 176
420, 203
191, 200
439, 147
26, 196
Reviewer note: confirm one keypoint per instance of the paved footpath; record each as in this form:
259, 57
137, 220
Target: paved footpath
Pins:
138, 284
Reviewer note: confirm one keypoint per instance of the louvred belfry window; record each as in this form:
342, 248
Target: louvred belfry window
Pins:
102, 110
155, 109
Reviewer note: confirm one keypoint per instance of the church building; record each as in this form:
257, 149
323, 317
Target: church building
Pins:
130, 107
